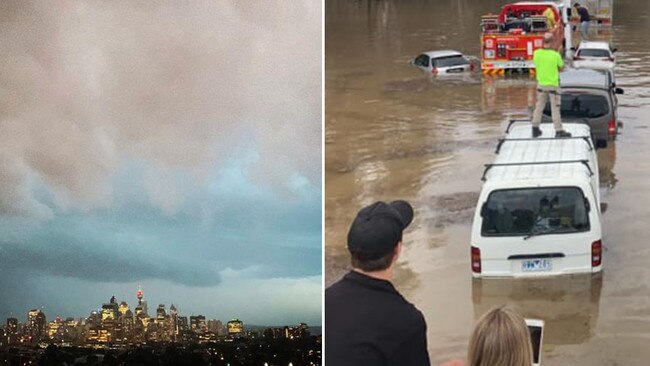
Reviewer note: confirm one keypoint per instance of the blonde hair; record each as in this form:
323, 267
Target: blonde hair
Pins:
500, 338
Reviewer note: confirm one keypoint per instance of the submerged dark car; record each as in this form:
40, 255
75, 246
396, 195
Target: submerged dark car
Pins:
589, 96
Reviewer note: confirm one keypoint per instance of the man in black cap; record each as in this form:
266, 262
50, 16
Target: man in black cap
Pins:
367, 322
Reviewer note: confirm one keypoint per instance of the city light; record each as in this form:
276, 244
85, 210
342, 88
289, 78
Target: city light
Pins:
115, 327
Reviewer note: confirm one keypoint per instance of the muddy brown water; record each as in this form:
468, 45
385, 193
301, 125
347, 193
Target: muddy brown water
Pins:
391, 132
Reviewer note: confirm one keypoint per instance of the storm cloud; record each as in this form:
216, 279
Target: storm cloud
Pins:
90, 85
94, 262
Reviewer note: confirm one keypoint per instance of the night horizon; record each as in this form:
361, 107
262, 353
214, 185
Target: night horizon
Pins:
51, 316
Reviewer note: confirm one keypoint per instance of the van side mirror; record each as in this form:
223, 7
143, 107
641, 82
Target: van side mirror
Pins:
619, 91
484, 209
614, 50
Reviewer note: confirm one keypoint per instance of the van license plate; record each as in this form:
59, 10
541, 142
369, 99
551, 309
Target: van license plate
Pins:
536, 265
452, 71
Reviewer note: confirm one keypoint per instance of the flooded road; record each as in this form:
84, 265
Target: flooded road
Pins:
391, 132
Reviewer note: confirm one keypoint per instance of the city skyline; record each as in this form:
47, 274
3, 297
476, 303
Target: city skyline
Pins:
151, 307
135, 153
119, 331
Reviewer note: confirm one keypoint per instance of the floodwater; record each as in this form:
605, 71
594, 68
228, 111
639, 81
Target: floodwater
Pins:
392, 132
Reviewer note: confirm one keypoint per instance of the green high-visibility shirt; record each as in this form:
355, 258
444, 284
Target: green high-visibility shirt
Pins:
547, 65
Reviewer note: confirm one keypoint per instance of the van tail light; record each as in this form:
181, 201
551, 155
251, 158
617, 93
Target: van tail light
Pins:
476, 260
611, 59
611, 126
596, 253
434, 71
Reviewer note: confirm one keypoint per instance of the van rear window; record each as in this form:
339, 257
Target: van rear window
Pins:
581, 106
528, 211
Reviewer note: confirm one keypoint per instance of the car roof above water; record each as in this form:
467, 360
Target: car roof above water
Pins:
442, 53
594, 45
526, 3
585, 78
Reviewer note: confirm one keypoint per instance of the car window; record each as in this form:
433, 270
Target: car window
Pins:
450, 61
591, 52
422, 60
515, 212
581, 106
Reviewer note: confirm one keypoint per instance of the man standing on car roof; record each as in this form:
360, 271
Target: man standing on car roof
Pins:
548, 64
367, 322
584, 21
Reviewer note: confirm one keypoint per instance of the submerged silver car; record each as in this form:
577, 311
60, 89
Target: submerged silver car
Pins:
442, 62
595, 55
589, 96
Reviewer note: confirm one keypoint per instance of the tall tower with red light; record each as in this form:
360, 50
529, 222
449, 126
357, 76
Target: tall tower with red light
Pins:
142, 303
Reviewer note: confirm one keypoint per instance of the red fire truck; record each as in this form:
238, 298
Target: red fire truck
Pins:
509, 39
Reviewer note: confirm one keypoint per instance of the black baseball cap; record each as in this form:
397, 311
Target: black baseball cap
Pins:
378, 228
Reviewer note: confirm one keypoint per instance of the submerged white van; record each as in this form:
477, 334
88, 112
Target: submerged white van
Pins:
538, 213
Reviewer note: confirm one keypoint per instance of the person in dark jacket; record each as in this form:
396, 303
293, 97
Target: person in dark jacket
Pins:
367, 321
585, 18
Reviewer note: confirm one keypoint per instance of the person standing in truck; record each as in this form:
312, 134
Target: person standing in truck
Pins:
548, 64
550, 17
585, 18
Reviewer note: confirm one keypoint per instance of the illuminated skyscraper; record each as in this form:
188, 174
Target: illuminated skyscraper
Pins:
12, 331
128, 327
36, 325
109, 323
110, 311
95, 318
215, 326
124, 307
139, 311
141, 316
197, 323
160, 312
300, 331
235, 327
173, 323
142, 303
161, 326
182, 324
55, 329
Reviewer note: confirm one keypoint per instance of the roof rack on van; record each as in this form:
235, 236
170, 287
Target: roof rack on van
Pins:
584, 162
528, 120
587, 139
513, 121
